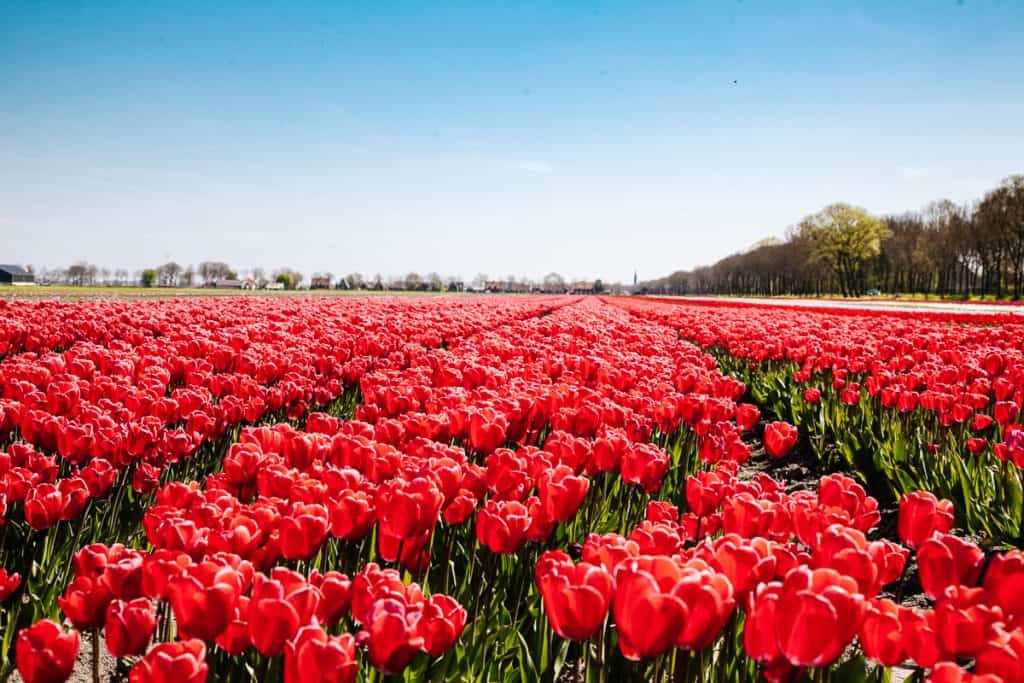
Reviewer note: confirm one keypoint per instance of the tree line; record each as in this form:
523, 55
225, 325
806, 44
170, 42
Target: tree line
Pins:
945, 249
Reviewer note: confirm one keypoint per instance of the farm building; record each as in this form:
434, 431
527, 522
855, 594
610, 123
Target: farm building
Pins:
16, 275
320, 283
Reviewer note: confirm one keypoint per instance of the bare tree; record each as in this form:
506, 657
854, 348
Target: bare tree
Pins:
168, 274
212, 271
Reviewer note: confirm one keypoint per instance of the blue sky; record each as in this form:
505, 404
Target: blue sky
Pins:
589, 138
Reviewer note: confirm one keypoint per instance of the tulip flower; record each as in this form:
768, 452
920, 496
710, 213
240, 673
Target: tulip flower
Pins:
129, 626
9, 583
46, 653
945, 561
314, 656
182, 661
576, 596
921, 515
779, 438
649, 618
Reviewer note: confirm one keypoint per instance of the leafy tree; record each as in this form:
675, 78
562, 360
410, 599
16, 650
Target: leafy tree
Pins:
845, 237
149, 277
285, 278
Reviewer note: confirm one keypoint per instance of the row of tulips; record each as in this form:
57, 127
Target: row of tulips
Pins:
559, 496
92, 431
909, 400
347, 493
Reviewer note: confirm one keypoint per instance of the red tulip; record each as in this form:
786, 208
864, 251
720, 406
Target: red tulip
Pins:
390, 635
441, 622
129, 626
561, 493
576, 596
314, 656
779, 438
303, 531
183, 661
819, 614
880, 634
8, 584
648, 617
921, 516
278, 606
235, 639
709, 598
85, 602
336, 594
502, 525
352, 516
1003, 580
46, 653
963, 622
747, 416
945, 561
203, 599
1003, 656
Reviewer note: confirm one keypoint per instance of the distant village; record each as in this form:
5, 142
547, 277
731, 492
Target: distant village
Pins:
219, 275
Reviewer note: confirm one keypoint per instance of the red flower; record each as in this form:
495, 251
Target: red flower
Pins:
336, 594
129, 626
818, 616
390, 635
921, 515
43, 506
278, 606
303, 531
1003, 580
85, 602
648, 617
880, 633
576, 596
46, 653
945, 561
747, 416
182, 661
352, 516
779, 438
963, 622
1003, 656
314, 656
203, 599
441, 622
235, 638
502, 525
8, 584
561, 493
709, 598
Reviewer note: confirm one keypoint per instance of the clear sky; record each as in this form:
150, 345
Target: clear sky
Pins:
590, 138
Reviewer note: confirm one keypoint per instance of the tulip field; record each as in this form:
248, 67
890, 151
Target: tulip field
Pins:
508, 489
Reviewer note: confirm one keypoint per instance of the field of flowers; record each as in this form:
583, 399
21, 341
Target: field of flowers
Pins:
508, 489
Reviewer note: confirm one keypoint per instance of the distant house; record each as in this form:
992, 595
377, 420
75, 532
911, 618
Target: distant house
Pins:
273, 285
249, 283
583, 288
16, 275
518, 288
320, 283
228, 284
